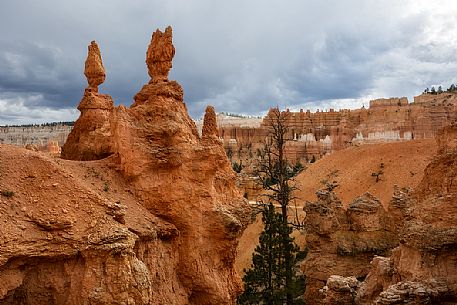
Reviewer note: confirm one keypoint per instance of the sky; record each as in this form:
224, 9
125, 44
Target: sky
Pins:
241, 56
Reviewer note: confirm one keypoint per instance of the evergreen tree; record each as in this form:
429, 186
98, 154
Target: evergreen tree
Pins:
265, 281
273, 277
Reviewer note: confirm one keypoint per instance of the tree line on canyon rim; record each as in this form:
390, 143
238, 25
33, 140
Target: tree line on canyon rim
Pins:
433, 91
274, 277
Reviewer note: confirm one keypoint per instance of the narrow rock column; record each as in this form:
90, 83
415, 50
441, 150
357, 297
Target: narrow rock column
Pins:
209, 130
94, 70
159, 55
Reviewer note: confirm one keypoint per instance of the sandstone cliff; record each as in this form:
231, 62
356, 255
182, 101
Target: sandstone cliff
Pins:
322, 132
38, 135
155, 222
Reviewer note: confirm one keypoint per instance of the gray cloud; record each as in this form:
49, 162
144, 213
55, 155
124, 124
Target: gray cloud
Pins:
241, 56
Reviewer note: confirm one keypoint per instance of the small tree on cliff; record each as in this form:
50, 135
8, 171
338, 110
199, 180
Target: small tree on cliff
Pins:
274, 276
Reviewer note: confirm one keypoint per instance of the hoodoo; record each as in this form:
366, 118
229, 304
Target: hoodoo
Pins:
160, 55
94, 70
155, 220
90, 138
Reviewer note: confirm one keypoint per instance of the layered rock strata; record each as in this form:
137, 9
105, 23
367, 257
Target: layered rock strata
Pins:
162, 230
38, 135
386, 120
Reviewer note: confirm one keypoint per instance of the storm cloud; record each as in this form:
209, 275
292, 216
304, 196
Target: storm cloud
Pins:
240, 56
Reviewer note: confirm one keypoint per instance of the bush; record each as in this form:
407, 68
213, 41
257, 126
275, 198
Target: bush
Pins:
7, 193
237, 167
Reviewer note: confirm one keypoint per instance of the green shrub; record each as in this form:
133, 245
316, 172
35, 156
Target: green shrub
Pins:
7, 193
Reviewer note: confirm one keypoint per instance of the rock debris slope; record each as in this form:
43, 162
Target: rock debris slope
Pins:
154, 218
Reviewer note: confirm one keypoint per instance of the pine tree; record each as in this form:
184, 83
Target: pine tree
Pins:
265, 280
274, 277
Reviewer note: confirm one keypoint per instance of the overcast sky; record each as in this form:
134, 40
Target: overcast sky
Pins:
241, 56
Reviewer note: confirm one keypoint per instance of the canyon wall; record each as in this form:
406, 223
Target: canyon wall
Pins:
386, 120
153, 218
35, 135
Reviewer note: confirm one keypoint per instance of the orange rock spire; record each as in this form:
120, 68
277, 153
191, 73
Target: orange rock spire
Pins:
209, 129
159, 55
94, 70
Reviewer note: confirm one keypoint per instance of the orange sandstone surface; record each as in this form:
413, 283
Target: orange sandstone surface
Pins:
141, 210
421, 269
403, 165
352, 168
348, 226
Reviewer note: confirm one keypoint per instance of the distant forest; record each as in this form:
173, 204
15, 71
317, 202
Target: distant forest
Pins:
53, 124
433, 91
236, 115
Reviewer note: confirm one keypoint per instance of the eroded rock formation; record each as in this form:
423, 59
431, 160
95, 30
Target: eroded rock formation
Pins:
157, 222
35, 135
209, 129
343, 242
160, 55
340, 290
90, 139
421, 270
94, 70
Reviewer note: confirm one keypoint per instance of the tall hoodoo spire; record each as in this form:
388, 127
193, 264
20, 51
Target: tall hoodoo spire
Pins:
209, 129
94, 70
159, 55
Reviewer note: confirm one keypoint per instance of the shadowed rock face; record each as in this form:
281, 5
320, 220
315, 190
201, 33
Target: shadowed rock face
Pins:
422, 269
174, 242
91, 136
